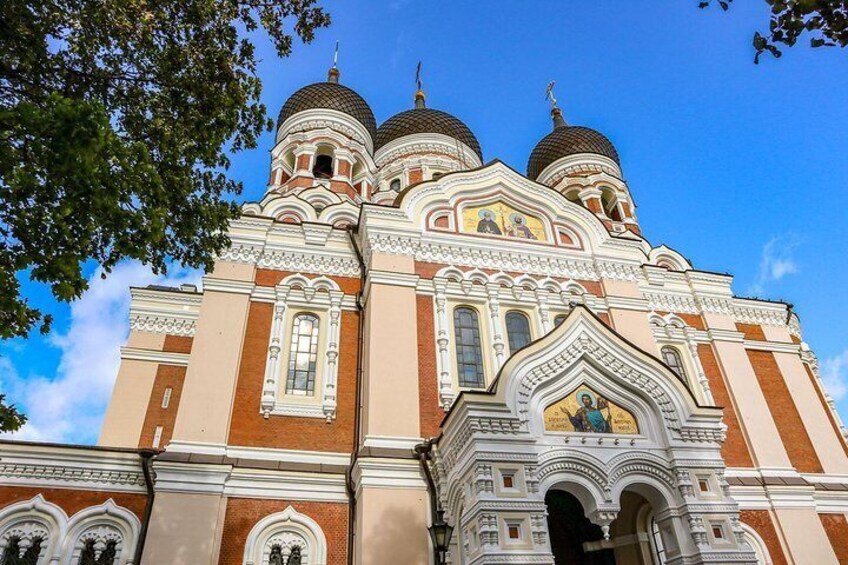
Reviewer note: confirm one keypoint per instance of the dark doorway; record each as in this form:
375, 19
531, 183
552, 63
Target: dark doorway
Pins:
570, 529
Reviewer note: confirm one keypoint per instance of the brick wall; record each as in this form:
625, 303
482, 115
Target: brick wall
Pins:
734, 450
243, 513
177, 344
72, 501
430, 410
167, 376
249, 428
789, 423
836, 527
762, 523
269, 277
751, 331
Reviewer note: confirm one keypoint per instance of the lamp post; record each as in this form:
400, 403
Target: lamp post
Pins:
440, 534
440, 531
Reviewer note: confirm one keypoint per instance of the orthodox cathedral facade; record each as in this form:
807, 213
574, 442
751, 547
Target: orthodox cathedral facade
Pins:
411, 356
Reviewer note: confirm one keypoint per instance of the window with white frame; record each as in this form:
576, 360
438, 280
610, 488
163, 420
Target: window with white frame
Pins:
286, 538
469, 351
517, 330
303, 355
671, 357
301, 371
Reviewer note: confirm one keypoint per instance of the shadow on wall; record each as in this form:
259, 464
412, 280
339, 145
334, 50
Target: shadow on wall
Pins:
394, 542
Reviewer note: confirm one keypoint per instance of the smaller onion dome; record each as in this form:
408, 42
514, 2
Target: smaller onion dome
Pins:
425, 120
330, 95
567, 140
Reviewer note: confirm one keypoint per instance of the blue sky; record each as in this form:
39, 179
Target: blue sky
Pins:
740, 167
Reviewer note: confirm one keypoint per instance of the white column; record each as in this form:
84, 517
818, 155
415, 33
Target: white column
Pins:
272, 366
446, 392
542, 296
329, 401
495, 325
699, 368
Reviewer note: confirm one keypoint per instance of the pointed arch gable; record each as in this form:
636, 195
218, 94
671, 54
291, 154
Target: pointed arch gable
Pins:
102, 524
583, 347
498, 179
31, 519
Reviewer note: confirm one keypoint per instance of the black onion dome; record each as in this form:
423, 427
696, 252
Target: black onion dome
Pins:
425, 120
568, 140
330, 96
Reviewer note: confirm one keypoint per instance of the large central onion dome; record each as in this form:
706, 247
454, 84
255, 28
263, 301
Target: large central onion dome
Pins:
425, 120
330, 96
568, 140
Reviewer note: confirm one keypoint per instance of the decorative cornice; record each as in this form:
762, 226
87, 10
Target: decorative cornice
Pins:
182, 326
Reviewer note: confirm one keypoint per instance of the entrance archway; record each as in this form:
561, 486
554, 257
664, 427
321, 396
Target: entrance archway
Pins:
574, 539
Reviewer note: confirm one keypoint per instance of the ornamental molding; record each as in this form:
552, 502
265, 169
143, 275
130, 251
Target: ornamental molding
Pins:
182, 326
429, 143
61, 476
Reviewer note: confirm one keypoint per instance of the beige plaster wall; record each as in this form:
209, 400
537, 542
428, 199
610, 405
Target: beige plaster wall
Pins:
393, 263
227, 270
146, 340
391, 527
624, 289
183, 529
779, 334
754, 415
805, 537
391, 351
825, 441
128, 406
207, 397
634, 326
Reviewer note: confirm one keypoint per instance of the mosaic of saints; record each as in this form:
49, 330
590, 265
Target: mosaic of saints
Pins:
518, 227
590, 416
487, 223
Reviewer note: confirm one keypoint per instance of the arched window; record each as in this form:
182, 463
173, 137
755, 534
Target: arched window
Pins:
469, 353
286, 538
22, 551
559, 319
98, 553
323, 167
610, 204
672, 358
395, 185
303, 355
517, 330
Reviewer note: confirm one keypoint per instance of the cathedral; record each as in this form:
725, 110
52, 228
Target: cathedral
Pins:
412, 356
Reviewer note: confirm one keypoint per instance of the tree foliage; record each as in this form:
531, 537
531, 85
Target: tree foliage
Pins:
10, 419
826, 21
116, 121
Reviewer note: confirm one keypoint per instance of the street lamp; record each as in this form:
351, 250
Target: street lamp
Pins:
440, 534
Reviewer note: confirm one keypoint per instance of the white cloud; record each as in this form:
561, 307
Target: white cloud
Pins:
777, 261
834, 374
69, 407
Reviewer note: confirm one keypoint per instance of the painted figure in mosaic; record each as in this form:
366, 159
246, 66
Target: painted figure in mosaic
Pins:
487, 223
519, 228
589, 417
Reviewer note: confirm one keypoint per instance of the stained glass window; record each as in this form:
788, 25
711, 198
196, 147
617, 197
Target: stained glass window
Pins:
469, 354
303, 355
672, 358
517, 330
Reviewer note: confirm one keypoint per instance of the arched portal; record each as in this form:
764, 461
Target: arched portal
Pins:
575, 540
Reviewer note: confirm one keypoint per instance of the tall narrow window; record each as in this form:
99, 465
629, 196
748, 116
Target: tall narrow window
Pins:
469, 354
294, 556
303, 355
657, 543
517, 330
157, 437
672, 358
276, 556
395, 185
166, 398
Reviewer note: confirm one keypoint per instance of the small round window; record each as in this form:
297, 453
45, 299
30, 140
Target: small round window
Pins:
395, 185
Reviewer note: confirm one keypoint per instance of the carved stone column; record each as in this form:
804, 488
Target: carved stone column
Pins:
446, 392
497, 330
